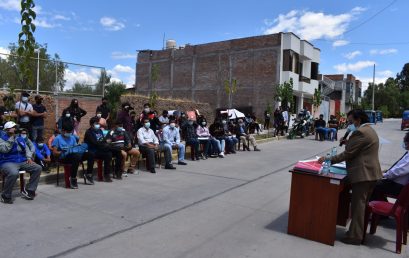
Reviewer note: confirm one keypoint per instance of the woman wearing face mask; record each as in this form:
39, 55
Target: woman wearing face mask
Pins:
76, 113
65, 118
208, 140
363, 170
396, 177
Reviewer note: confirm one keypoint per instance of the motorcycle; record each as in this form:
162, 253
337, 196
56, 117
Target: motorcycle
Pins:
299, 128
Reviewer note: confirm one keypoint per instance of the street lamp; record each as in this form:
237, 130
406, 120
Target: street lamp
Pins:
38, 69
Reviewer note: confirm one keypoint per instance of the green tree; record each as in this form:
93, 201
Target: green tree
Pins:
284, 93
81, 88
113, 92
104, 79
26, 41
230, 88
10, 73
403, 78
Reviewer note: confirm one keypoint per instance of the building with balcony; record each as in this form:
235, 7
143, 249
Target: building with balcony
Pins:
344, 91
258, 64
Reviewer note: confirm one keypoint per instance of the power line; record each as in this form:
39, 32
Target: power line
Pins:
370, 18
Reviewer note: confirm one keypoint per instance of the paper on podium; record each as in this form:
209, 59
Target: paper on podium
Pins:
312, 166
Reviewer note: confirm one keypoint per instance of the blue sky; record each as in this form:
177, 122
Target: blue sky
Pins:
351, 35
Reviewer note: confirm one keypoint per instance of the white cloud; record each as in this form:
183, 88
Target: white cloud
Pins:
340, 43
112, 24
386, 73
353, 54
121, 55
366, 80
353, 67
387, 51
312, 25
61, 17
72, 77
122, 69
43, 23
4, 50
10, 5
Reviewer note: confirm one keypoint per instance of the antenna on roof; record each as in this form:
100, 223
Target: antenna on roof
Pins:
163, 43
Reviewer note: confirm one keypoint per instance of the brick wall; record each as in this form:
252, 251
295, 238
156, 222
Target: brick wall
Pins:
197, 73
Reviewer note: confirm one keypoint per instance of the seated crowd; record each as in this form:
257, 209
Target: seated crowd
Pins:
112, 142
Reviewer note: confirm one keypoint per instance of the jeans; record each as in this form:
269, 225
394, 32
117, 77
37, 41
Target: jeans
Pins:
74, 160
11, 172
206, 144
36, 131
230, 143
332, 133
181, 148
222, 142
195, 145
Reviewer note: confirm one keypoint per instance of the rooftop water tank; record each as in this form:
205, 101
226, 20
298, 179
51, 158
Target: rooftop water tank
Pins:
170, 44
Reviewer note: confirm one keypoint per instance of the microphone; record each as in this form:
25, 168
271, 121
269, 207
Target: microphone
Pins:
344, 138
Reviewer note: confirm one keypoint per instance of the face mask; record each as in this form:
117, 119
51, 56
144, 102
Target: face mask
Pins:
40, 145
67, 135
172, 125
99, 115
67, 115
147, 125
147, 110
24, 136
190, 122
352, 128
97, 126
224, 122
121, 129
241, 124
24, 99
203, 123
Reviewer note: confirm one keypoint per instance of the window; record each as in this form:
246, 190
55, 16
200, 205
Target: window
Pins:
314, 71
290, 61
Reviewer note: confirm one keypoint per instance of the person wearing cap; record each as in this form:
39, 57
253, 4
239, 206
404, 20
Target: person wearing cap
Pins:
37, 118
24, 111
62, 147
171, 138
103, 109
241, 132
16, 155
43, 153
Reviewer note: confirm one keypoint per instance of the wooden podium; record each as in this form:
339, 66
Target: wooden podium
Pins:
318, 203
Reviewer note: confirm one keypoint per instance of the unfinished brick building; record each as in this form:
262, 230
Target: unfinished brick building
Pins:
258, 64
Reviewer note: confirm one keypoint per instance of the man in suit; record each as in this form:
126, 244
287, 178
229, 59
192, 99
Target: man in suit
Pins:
395, 178
363, 170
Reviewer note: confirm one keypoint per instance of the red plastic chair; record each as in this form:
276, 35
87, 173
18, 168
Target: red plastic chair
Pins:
398, 210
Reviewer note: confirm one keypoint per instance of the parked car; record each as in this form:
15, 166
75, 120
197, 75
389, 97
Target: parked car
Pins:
405, 120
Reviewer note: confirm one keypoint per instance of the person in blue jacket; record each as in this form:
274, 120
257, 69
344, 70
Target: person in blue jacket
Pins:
43, 153
16, 153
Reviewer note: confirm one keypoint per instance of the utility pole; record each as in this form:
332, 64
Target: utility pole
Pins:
373, 88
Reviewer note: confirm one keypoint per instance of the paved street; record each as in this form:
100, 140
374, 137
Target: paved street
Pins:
232, 207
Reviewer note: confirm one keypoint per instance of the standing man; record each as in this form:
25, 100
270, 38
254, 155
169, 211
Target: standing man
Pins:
104, 109
24, 110
363, 170
16, 153
38, 115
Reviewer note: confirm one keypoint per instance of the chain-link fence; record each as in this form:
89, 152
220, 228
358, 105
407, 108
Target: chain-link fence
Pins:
52, 76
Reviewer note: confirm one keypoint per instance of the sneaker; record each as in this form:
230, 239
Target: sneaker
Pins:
89, 179
256, 149
107, 179
233, 152
124, 174
181, 162
221, 155
6, 200
73, 183
27, 195
153, 171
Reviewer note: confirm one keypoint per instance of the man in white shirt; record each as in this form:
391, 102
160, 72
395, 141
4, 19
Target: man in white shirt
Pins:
395, 178
24, 110
148, 143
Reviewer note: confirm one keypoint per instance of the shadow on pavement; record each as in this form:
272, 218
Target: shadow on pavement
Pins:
279, 224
